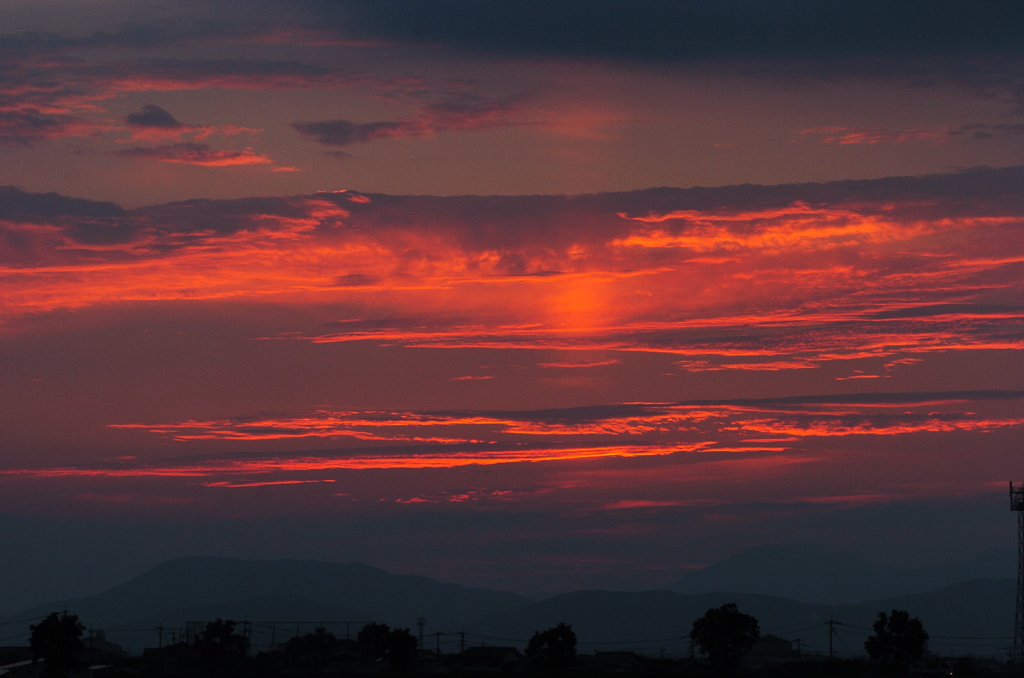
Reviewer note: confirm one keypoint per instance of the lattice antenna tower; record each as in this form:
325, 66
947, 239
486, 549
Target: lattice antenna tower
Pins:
1017, 504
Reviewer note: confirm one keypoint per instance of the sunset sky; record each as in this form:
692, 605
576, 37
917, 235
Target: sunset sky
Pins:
526, 294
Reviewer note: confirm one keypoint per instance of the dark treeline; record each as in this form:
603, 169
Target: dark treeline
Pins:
723, 642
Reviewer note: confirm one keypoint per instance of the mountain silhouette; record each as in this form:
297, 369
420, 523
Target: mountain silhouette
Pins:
282, 606
982, 610
975, 616
819, 574
211, 587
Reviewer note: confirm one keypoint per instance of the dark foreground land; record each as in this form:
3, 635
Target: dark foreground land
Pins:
183, 660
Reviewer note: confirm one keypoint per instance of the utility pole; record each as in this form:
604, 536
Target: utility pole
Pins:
1017, 504
462, 641
160, 634
831, 633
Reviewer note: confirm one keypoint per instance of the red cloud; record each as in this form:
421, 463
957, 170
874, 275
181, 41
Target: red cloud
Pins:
198, 154
571, 365
845, 136
313, 463
741, 287
699, 425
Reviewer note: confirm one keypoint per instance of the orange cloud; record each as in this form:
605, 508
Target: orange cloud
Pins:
772, 366
571, 365
197, 154
688, 442
228, 483
709, 427
843, 427
792, 286
311, 463
398, 426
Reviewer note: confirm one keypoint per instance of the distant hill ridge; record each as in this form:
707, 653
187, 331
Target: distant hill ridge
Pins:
203, 588
981, 609
190, 586
820, 574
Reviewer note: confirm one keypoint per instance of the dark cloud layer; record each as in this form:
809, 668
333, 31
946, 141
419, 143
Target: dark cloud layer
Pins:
658, 30
16, 204
169, 31
519, 226
53, 94
972, 45
346, 132
465, 112
983, 132
152, 116
30, 127
674, 30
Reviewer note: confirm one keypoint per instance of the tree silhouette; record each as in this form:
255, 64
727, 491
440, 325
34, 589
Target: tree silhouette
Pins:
219, 641
553, 648
373, 639
58, 641
899, 640
312, 650
379, 641
725, 634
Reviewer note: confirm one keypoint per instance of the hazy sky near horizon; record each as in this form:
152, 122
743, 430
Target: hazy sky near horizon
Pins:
532, 295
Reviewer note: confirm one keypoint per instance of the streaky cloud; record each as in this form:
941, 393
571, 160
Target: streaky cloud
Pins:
447, 115
197, 154
883, 270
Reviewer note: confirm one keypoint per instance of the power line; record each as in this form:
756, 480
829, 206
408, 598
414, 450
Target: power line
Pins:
510, 640
22, 621
806, 628
630, 642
